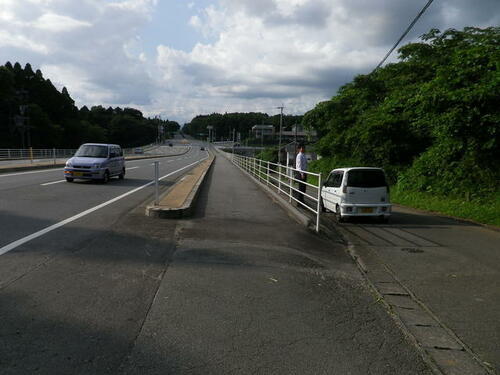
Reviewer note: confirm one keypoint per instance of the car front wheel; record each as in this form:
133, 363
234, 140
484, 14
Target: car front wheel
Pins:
338, 215
105, 178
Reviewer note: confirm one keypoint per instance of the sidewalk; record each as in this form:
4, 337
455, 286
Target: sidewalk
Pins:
248, 290
441, 276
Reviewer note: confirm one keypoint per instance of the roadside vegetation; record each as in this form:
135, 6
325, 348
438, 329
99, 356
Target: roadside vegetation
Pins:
432, 120
51, 118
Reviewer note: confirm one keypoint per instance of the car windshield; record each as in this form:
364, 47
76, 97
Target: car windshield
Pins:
92, 151
366, 178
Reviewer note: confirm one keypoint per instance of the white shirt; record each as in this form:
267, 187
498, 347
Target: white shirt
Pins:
301, 162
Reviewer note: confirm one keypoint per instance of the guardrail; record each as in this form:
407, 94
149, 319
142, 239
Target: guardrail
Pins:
54, 153
58, 155
281, 177
35, 153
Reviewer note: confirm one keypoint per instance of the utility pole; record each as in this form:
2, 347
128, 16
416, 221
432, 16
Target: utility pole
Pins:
281, 125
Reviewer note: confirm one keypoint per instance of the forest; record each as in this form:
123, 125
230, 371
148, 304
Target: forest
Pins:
33, 113
432, 119
223, 124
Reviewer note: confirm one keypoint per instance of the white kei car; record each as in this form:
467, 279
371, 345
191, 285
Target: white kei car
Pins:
359, 191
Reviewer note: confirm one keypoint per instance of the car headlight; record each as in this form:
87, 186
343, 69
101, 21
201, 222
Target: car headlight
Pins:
69, 165
96, 166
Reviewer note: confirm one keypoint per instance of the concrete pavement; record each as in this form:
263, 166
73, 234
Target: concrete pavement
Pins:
439, 275
250, 291
450, 268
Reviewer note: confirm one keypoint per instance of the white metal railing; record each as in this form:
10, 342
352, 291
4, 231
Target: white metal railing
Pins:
281, 178
35, 153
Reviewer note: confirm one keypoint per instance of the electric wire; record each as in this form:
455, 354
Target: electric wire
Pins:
404, 34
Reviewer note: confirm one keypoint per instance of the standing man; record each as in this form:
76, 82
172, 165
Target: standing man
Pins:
301, 166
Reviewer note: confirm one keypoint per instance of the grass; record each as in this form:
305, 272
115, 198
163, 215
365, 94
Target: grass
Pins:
485, 210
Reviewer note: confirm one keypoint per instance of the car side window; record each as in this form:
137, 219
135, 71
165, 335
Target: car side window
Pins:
112, 152
120, 151
338, 179
330, 180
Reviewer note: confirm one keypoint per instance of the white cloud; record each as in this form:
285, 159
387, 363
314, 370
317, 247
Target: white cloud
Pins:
57, 23
264, 52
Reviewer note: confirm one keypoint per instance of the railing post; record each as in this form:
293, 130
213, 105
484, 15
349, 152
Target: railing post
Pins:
267, 173
31, 154
319, 203
279, 178
54, 155
157, 195
289, 173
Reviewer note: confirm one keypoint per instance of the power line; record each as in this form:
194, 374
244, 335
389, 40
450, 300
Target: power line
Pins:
404, 34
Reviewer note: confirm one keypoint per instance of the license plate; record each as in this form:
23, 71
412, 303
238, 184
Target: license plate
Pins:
366, 210
77, 174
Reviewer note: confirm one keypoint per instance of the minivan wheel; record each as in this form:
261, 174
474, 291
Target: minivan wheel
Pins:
69, 179
338, 215
105, 178
122, 175
383, 219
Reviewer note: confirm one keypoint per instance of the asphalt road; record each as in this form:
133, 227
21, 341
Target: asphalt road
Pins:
240, 288
34, 200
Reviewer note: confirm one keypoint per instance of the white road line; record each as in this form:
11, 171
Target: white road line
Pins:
52, 183
40, 233
128, 169
43, 170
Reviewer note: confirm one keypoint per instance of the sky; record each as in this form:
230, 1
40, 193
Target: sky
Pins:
178, 59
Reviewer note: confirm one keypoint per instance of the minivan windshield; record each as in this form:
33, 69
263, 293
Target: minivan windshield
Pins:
92, 151
366, 178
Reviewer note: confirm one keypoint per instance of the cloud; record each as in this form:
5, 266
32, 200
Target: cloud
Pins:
89, 46
297, 51
57, 23
261, 53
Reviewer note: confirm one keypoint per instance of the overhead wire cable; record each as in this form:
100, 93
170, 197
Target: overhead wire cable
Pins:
404, 34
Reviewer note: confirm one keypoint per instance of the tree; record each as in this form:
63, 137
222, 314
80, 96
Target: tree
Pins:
432, 119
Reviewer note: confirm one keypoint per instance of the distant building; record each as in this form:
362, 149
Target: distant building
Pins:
299, 134
262, 130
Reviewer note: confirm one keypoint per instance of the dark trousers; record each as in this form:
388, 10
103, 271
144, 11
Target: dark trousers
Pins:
302, 187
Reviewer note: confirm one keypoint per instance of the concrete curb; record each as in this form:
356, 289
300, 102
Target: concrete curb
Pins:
188, 206
30, 167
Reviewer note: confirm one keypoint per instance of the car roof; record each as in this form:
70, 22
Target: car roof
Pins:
346, 169
100, 144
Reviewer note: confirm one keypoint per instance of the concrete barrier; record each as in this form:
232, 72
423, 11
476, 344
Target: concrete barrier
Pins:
180, 199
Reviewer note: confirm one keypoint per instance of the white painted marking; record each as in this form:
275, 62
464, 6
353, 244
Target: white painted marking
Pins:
128, 169
52, 183
20, 173
40, 233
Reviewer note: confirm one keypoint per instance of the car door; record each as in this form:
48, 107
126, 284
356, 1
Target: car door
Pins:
336, 189
120, 160
326, 192
113, 160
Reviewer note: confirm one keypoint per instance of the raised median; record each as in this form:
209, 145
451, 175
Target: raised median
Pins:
179, 200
